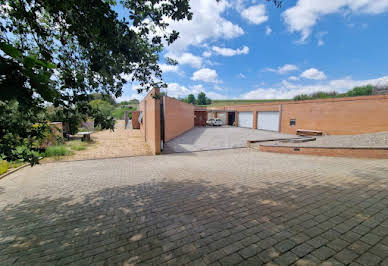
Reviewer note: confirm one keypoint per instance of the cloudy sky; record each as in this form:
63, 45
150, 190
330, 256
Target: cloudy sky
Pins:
249, 49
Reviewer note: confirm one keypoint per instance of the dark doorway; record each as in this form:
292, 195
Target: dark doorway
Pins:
200, 118
231, 118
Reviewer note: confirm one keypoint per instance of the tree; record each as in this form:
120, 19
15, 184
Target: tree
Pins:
55, 51
191, 99
201, 100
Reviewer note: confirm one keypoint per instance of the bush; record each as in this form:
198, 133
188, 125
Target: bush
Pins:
360, 91
4, 165
56, 151
316, 95
22, 133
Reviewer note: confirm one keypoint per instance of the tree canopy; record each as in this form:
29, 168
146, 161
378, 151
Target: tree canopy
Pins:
57, 50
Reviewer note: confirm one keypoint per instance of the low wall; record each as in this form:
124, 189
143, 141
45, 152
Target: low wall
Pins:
178, 117
150, 126
377, 153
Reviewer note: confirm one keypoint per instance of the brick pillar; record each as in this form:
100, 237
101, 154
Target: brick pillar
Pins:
236, 119
255, 120
215, 114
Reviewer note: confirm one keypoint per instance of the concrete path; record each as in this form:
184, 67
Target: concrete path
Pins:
221, 207
215, 138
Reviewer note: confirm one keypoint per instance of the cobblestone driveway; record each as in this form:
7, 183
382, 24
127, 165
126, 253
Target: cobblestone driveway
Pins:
219, 207
216, 138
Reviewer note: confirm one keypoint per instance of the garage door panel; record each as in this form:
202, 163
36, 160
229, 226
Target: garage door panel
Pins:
245, 119
268, 121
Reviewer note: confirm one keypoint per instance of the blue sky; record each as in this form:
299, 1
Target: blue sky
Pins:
246, 49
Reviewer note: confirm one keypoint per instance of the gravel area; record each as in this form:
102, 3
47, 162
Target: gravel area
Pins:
111, 144
364, 140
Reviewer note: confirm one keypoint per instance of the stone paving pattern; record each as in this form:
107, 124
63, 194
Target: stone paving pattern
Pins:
215, 138
209, 208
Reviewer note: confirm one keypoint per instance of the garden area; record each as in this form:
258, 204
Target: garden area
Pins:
30, 137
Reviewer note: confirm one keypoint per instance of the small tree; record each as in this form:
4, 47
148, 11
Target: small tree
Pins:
201, 98
191, 99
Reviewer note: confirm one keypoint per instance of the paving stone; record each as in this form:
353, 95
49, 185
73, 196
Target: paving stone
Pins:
249, 251
286, 258
246, 207
370, 238
380, 250
359, 247
231, 259
368, 259
285, 245
323, 253
268, 255
302, 250
346, 256
337, 244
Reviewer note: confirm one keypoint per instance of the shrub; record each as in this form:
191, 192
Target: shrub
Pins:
4, 165
56, 151
360, 91
22, 133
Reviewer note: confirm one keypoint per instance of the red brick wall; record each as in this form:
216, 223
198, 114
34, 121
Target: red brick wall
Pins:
338, 116
344, 116
178, 117
150, 127
135, 120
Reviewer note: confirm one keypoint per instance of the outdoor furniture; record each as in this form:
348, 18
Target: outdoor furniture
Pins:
85, 135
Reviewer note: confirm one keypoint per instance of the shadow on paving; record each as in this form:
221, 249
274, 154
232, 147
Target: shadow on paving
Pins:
184, 221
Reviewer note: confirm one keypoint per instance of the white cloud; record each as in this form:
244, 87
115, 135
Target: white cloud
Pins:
169, 68
268, 30
305, 14
283, 69
229, 51
206, 54
320, 36
211, 94
207, 24
313, 73
179, 91
289, 90
187, 59
206, 75
255, 14
294, 78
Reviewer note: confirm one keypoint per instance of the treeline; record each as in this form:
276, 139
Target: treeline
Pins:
357, 91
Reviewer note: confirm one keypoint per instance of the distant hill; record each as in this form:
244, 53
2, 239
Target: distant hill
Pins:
242, 102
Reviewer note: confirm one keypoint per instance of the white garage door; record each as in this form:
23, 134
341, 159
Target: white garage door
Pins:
245, 119
268, 121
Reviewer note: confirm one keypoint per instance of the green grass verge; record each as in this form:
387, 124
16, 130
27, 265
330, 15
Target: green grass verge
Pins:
77, 145
57, 151
4, 165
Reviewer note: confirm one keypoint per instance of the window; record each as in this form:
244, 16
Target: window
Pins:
292, 122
